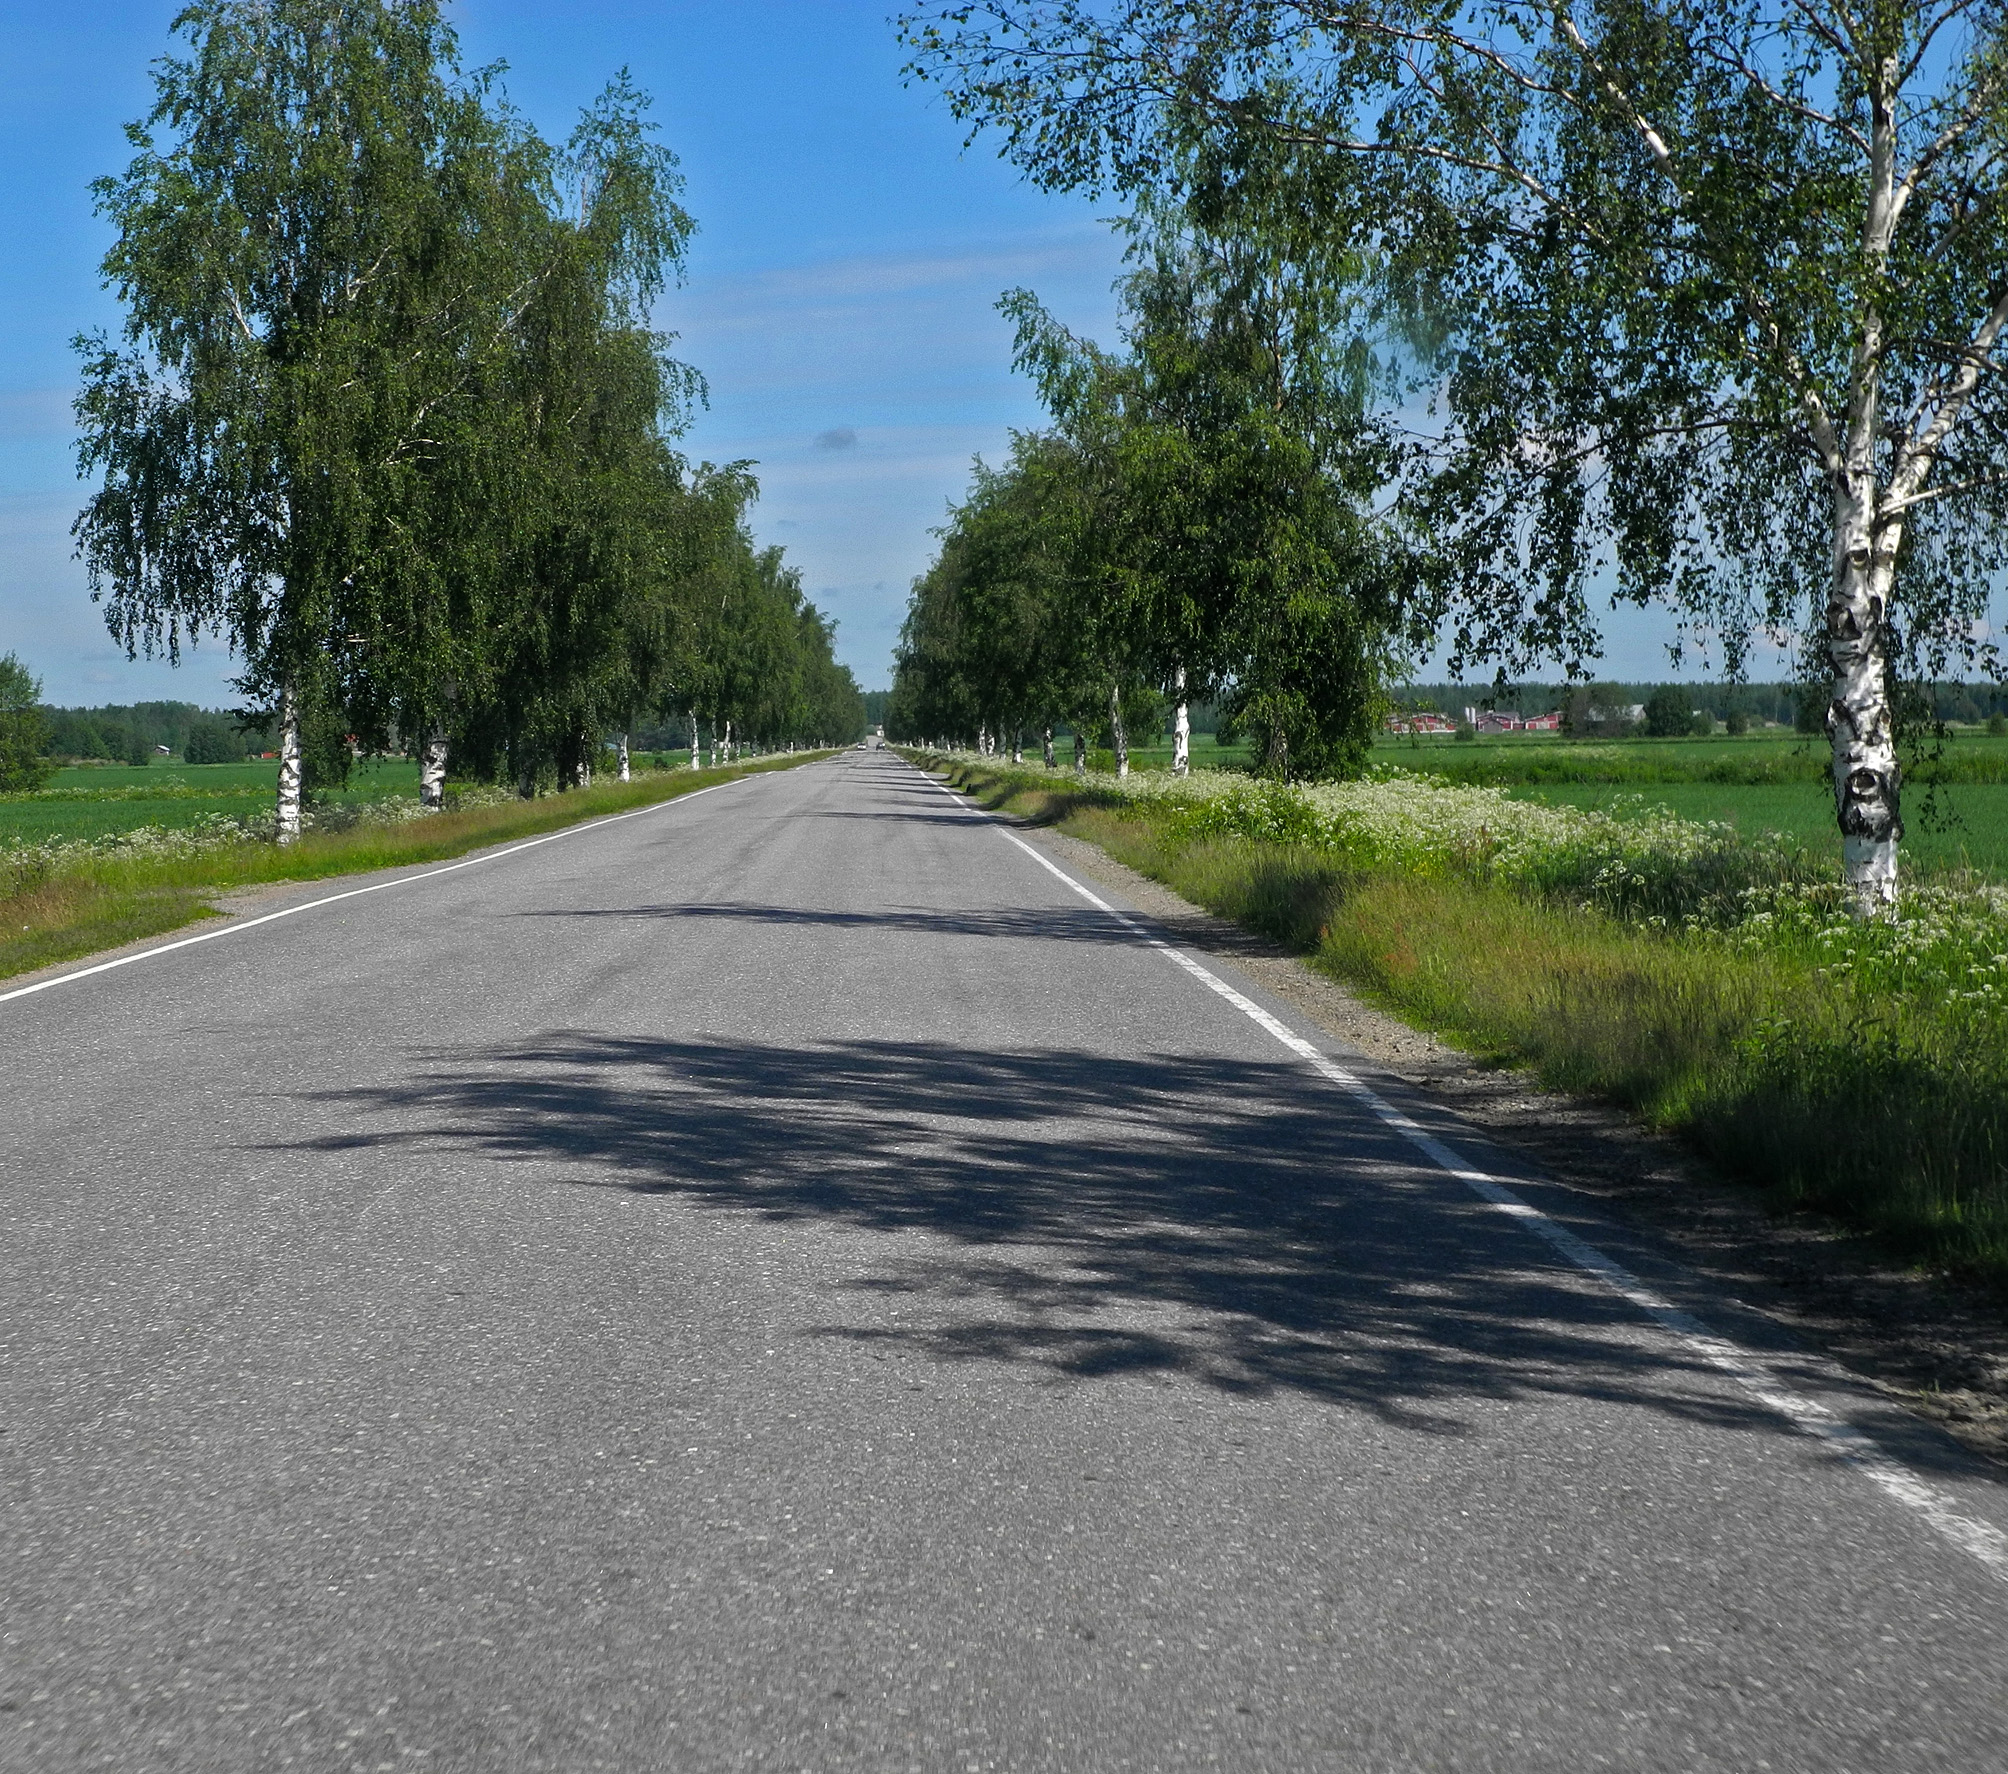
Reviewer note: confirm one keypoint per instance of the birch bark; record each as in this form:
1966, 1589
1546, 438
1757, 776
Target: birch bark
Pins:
624, 759
1118, 736
432, 771
1860, 723
1017, 745
1080, 753
1048, 734
728, 742
288, 817
1866, 779
1181, 727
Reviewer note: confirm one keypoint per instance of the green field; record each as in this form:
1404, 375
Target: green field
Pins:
1775, 756
90, 801
95, 801
1804, 813
1775, 781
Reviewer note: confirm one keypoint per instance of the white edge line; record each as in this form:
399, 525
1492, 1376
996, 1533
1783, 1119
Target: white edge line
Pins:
1758, 1377
233, 928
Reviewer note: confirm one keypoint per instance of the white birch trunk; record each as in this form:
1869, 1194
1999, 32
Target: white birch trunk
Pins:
288, 815
1181, 728
432, 771
1860, 726
1017, 745
728, 742
624, 759
1048, 735
1080, 752
696, 756
1860, 722
1118, 736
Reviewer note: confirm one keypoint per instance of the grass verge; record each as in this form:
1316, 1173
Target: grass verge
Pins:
79, 907
1888, 1112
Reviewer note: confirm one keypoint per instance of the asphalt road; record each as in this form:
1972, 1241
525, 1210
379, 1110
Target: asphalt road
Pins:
782, 1282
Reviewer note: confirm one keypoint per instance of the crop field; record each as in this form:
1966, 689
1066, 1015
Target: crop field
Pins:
1773, 782
1768, 782
101, 801
1777, 756
1964, 826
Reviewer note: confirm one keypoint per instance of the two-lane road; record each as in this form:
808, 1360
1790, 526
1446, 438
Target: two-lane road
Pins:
783, 1282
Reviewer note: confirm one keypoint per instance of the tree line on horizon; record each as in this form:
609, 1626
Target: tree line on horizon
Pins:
1440, 320
388, 415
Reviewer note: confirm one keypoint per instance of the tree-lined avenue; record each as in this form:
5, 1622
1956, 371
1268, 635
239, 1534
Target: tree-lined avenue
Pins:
783, 1282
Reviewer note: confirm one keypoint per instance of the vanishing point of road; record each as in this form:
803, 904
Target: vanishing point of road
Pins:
784, 1281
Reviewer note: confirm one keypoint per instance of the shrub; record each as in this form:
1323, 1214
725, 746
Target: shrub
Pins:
24, 728
1669, 712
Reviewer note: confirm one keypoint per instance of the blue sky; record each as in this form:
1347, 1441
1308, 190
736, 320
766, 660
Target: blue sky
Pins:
840, 297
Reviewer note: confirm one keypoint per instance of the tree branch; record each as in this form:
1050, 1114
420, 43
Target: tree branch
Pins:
1921, 451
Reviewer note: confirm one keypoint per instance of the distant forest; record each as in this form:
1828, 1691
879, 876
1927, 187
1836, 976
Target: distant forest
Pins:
132, 733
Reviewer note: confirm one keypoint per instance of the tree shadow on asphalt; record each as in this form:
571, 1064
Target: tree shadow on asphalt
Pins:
1027, 922
1167, 1216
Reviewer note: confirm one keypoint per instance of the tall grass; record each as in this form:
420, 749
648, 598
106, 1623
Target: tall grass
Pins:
1860, 1071
61, 901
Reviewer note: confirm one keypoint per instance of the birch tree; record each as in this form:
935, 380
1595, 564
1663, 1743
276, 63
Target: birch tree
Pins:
1231, 464
304, 252
1720, 287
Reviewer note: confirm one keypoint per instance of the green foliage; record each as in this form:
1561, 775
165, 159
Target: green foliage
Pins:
213, 741
1600, 711
304, 249
1667, 712
23, 728
388, 413
1701, 293
1196, 519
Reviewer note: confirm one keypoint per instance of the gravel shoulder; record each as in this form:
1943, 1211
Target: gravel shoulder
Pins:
1924, 1341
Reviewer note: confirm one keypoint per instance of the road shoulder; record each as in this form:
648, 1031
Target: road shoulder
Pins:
1922, 1341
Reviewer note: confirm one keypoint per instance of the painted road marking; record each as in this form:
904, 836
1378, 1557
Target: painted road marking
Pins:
1758, 1377
189, 942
